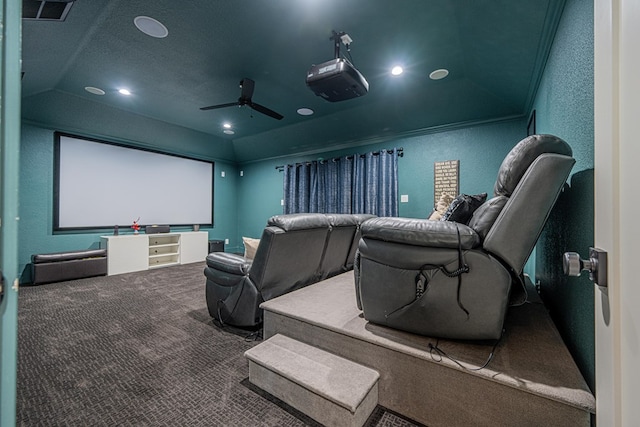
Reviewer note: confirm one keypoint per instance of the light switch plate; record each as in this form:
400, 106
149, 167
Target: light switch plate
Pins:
404, 198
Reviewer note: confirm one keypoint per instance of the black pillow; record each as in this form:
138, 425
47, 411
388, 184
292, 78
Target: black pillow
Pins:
463, 207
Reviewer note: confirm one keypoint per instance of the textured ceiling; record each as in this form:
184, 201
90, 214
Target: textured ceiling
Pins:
494, 50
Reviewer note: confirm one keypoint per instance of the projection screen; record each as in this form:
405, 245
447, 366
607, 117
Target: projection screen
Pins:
100, 185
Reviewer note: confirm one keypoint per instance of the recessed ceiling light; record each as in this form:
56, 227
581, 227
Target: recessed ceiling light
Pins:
124, 91
151, 27
94, 90
439, 74
229, 132
227, 125
397, 70
305, 111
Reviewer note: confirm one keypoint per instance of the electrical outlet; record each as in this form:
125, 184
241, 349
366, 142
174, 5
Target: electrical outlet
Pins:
281, 202
241, 173
404, 198
226, 241
222, 174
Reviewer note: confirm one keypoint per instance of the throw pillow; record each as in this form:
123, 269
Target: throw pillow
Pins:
441, 207
463, 206
250, 247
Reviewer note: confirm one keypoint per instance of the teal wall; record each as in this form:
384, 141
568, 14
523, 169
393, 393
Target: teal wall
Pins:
564, 107
480, 150
36, 197
10, 31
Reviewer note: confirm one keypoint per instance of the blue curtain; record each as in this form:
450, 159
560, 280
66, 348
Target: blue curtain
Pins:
351, 184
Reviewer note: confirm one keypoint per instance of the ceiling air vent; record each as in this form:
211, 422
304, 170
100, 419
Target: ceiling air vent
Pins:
50, 10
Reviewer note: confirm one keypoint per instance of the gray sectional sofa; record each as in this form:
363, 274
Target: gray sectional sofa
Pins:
295, 250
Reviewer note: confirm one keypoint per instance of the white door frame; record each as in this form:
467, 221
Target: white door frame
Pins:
617, 150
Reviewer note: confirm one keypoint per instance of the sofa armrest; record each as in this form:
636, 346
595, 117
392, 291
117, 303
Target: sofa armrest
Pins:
421, 232
229, 263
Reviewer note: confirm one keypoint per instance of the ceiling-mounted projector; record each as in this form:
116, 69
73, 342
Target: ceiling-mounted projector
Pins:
337, 79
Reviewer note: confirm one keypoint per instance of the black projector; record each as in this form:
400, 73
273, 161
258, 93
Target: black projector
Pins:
336, 80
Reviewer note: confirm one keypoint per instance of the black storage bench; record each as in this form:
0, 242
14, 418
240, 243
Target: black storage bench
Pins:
60, 266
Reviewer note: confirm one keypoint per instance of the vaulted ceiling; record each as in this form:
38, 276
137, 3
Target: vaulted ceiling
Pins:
494, 51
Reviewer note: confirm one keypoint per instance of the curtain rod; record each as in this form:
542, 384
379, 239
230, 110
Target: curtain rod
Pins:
400, 151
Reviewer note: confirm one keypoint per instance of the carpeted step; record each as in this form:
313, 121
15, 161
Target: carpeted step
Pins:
531, 380
330, 389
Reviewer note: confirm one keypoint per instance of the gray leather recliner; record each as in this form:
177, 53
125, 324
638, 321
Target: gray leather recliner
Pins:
450, 280
295, 250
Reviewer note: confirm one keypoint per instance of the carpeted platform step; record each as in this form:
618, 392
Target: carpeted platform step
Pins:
531, 380
330, 389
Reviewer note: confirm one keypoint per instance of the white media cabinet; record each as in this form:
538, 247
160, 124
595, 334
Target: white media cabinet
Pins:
136, 252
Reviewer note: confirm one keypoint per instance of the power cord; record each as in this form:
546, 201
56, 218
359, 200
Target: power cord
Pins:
221, 302
254, 336
422, 280
440, 353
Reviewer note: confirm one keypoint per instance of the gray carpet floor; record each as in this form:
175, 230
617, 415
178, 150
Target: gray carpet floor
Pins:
140, 349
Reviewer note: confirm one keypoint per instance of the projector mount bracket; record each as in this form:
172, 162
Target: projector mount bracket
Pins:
337, 38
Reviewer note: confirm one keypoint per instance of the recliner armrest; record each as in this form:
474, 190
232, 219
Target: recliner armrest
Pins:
229, 263
421, 232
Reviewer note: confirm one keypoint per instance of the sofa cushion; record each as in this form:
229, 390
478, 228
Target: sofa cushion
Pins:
339, 243
68, 256
484, 217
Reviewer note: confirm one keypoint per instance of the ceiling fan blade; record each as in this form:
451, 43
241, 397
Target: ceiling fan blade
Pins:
247, 86
264, 110
215, 107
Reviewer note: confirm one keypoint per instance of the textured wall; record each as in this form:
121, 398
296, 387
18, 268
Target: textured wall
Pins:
36, 202
480, 150
564, 107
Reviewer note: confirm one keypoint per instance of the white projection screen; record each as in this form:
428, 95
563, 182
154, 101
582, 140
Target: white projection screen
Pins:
100, 185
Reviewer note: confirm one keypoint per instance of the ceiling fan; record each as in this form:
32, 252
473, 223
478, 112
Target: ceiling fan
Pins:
247, 86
